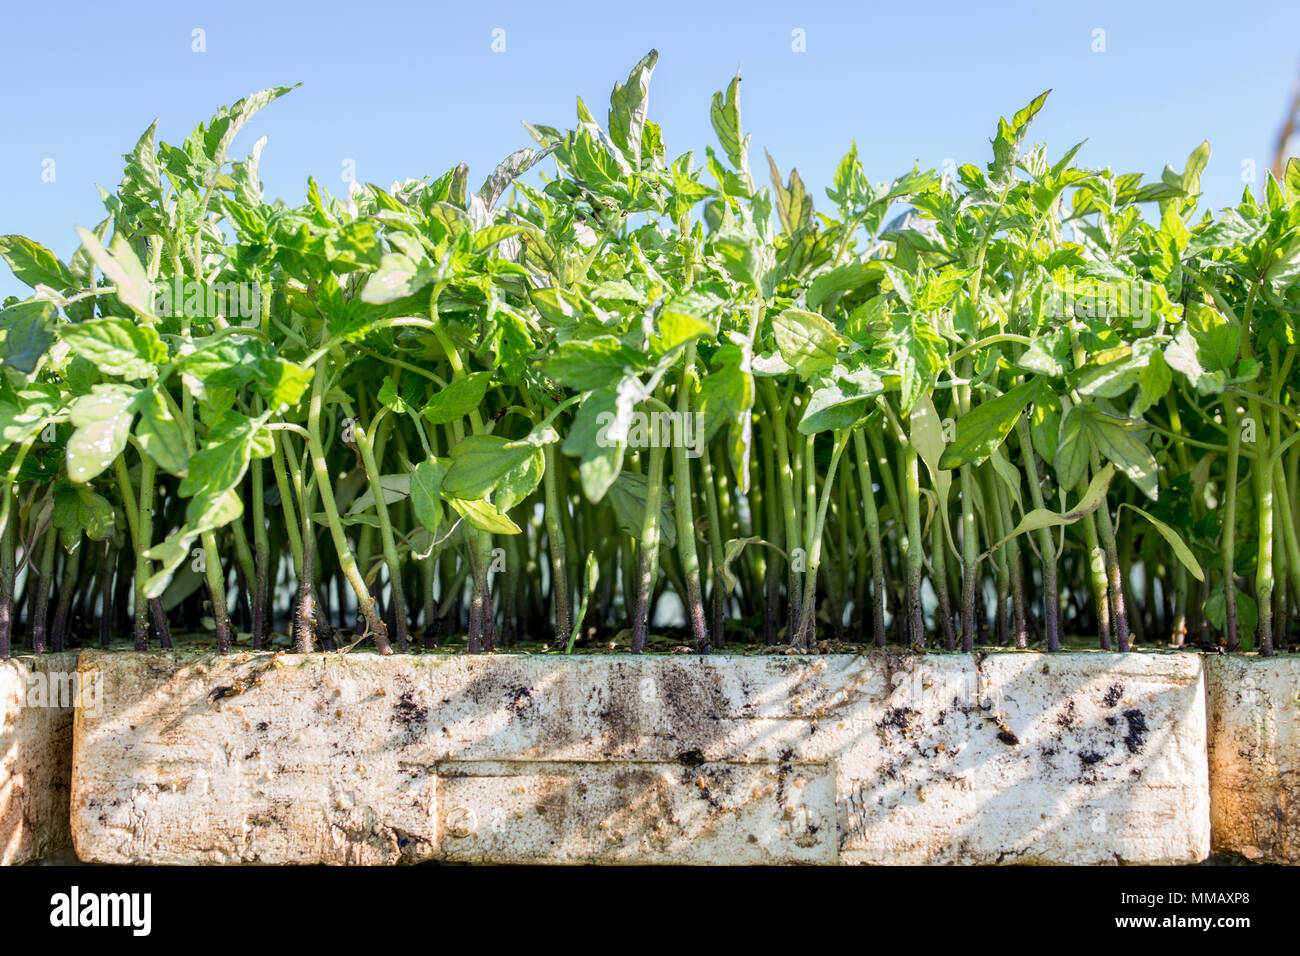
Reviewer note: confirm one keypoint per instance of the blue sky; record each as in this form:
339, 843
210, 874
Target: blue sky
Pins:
409, 89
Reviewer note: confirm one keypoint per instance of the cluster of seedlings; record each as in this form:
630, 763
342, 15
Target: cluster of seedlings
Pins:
612, 390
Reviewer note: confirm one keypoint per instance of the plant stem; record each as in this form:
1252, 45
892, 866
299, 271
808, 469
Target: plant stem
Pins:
7, 539
878, 601
785, 475
556, 546
373, 473
683, 510
347, 562
648, 554
915, 553
807, 626
1227, 537
1046, 547
717, 555
67, 590
37, 616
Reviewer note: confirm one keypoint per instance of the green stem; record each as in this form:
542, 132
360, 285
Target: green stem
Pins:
785, 475
1227, 537
648, 554
1046, 547
806, 631
683, 508
324, 486
374, 475
878, 599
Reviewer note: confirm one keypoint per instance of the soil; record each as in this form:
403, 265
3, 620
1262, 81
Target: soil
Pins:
667, 641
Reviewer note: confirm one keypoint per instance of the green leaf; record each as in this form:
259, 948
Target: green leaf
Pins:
205, 513
121, 266
986, 426
480, 463
28, 329
793, 204
458, 399
77, 511
598, 363
1142, 365
390, 399
118, 346
507, 171
35, 265
1074, 449
851, 277
917, 359
1045, 424
228, 122
220, 465
426, 493
25, 413
1181, 551
725, 117
159, 433
807, 341
398, 276
94, 514
483, 515
726, 397
627, 499
1020, 122
682, 319
1046, 355
838, 404
600, 455
102, 422
627, 108
1041, 518
237, 362
1117, 441
508, 471
1183, 356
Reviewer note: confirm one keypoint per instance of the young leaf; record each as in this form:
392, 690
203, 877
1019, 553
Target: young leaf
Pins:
627, 108
102, 422
807, 341
458, 399
482, 464
118, 346
123, 269
597, 363
28, 329
1181, 551
592, 440
986, 426
484, 515
426, 493
160, 434
1043, 518
35, 265
725, 117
